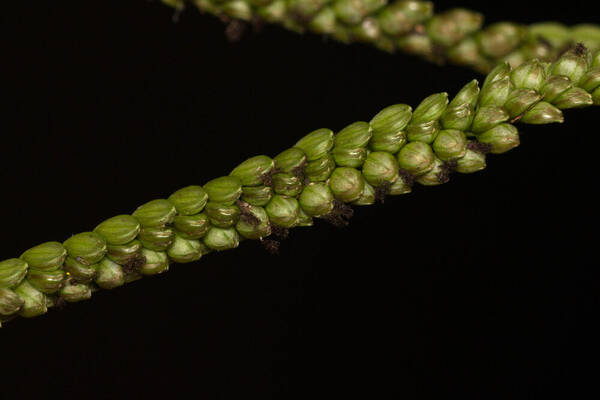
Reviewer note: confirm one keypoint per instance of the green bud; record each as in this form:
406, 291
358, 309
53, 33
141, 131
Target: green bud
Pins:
316, 199
425, 132
287, 184
346, 184
393, 22
10, 302
473, 161
467, 53
75, 292
546, 65
35, 302
469, 94
417, 158
388, 128
536, 48
46, 281
501, 138
274, 12
124, 253
316, 144
437, 175
499, 39
416, 43
400, 17
303, 219
391, 142
155, 213
367, 197
520, 101
290, 160
257, 195
79, 271
191, 226
238, 9
349, 157
495, 93
353, 136
320, 169
529, 75
400, 186
12, 272
305, 8
416, 11
87, 247
367, 30
380, 167
573, 98
591, 80
521, 54
283, 210
458, 117
341, 33
47, 256
189, 200
221, 215
452, 26
226, 189
572, 65
157, 262
221, 238
157, 239
450, 144
385, 43
251, 171
554, 87
109, 275
488, 117
323, 22
350, 12
184, 250
430, 109
118, 230
543, 113
254, 223
499, 72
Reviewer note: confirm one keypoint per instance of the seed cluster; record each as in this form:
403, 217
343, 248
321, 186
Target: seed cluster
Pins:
456, 36
319, 177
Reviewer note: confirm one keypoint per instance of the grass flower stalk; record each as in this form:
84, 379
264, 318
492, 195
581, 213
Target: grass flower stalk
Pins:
322, 176
456, 36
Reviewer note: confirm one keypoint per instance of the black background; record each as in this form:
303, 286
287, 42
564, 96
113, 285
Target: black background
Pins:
486, 287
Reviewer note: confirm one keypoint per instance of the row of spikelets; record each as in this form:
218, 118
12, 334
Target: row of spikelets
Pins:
410, 26
317, 178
